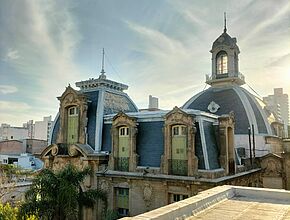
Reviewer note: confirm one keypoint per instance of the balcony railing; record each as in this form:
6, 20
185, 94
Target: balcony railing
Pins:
238, 75
178, 167
122, 163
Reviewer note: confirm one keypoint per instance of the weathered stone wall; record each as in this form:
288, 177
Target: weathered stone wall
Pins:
147, 194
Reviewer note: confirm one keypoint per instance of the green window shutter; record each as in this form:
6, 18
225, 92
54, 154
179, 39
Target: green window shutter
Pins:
72, 129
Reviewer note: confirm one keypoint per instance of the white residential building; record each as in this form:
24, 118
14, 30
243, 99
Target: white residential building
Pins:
42, 128
8, 132
39, 130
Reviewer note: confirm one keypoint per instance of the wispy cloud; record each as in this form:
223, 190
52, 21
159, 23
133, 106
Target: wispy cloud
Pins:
12, 54
283, 60
6, 89
13, 106
49, 37
169, 58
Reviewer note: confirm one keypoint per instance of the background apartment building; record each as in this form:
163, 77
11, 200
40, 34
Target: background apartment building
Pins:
278, 103
39, 130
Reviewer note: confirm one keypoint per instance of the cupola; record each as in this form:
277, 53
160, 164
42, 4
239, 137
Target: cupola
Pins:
225, 61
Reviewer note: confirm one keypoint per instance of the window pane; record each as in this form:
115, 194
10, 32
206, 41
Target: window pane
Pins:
71, 111
183, 130
175, 130
222, 63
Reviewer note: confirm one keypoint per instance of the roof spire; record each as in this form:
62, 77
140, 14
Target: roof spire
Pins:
225, 22
103, 76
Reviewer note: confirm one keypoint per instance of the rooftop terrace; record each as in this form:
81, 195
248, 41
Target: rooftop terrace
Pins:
226, 202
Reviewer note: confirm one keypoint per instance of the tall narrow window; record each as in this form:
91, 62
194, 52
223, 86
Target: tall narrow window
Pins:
123, 155
179, 150
122, 201
222, 63
72, 125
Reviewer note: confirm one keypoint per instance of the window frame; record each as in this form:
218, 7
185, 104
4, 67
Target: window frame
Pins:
179, 130
73, 111
124, 131
222, 62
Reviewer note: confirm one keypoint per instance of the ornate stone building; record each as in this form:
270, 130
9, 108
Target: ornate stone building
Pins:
147, 159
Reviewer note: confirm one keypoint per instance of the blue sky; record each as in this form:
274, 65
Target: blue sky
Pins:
156, 47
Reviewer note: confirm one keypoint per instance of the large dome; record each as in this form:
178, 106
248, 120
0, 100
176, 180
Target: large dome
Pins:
248, 109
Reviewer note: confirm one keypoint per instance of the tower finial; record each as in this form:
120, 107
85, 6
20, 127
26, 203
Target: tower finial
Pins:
103, 64
225, 22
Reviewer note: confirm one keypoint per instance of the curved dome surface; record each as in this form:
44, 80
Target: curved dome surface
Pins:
248, 109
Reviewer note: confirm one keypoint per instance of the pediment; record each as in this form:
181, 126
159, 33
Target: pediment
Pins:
71, 97
122, 119
177, 116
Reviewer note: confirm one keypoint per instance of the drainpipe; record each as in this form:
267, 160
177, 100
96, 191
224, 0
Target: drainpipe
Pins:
250, 145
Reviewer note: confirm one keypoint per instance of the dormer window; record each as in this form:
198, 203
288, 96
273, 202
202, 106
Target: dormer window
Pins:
73, 125
124, 148
222, 63
179, 150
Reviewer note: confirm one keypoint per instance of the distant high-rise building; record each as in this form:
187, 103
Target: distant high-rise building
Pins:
153, 102
42, 128
278, 103
30, 126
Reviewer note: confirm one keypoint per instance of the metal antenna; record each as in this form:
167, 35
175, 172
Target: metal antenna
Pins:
103, 63
225, 19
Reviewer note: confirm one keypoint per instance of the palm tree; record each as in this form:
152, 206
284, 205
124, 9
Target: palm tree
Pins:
58, 195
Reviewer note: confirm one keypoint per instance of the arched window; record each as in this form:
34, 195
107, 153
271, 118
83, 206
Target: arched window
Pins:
179, 150
222, 62
123, 149
73, 125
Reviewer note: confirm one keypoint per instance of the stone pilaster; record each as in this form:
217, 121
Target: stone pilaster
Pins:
227, 148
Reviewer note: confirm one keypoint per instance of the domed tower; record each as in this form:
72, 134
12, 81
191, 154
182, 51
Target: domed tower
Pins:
225, 61
226, 95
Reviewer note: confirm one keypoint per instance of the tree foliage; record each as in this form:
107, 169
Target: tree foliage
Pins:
58, 195
8, 212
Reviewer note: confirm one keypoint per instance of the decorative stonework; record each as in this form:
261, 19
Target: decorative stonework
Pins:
178, 117
120, 120
213, 107
147, 194
226, 142
105, 185
272, 166
68, 99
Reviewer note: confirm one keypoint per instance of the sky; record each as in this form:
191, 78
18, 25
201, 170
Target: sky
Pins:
156, 47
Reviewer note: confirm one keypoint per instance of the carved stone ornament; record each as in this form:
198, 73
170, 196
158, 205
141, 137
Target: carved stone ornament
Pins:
213, 107
147, 194
73, 151
272, 167
54, 150
105, 185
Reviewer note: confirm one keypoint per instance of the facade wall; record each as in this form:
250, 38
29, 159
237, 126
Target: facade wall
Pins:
12, 133
35, 146
11, 147
147, 194
42, 128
